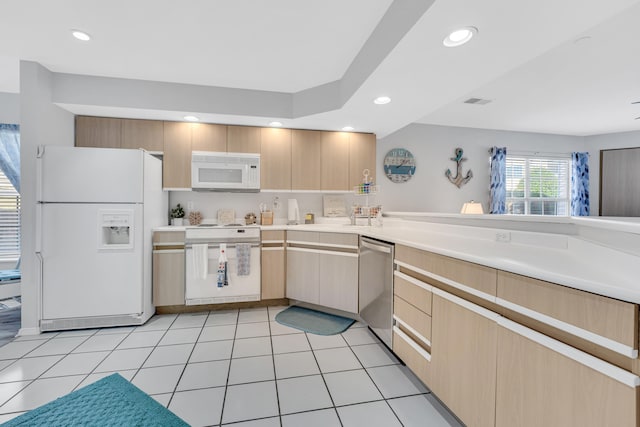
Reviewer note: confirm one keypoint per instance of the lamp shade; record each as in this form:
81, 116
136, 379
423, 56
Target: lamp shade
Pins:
472, 208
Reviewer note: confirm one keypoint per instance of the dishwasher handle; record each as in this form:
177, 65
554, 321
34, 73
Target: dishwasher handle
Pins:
375, 247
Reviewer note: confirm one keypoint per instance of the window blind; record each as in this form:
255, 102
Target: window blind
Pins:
537, 185
9, 220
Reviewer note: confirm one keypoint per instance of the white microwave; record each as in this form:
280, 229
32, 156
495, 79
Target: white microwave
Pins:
216, 171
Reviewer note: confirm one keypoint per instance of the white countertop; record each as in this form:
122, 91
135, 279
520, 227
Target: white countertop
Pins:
565, 258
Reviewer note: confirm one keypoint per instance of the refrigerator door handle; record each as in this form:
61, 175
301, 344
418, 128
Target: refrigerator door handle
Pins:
38, 246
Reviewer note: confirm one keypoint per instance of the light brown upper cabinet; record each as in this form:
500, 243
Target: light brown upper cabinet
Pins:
275, 159
101, 132
176, 166
243, 139
147, 134
362, 155
334, 162
209, 137
305, 159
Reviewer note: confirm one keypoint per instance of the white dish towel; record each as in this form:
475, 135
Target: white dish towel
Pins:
200, 264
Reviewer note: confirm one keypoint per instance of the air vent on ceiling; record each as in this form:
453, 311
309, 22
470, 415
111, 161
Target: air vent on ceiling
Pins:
477, 101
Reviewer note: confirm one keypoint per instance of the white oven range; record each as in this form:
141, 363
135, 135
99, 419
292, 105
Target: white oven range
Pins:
202, 254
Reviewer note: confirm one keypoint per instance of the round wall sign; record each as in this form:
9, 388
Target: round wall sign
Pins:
399, 165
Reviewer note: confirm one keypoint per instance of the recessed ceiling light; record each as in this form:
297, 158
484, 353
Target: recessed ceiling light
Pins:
81, 35
191, 118
275, 124
381, 100
459, 36
347, 128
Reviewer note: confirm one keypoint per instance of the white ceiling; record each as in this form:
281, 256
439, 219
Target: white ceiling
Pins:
524, 58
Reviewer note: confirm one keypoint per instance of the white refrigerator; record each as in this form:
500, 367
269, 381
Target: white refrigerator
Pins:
95, 214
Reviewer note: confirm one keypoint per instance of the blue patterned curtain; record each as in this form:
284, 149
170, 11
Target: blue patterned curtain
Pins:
10, 153
579, 184
498, 188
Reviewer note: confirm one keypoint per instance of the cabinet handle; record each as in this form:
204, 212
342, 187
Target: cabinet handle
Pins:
421, 351
320, 251
449, 282
413, 331
413, 280
374, 247
585, 359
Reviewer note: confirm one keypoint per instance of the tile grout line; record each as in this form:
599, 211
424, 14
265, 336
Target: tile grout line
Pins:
175, 388
335, 409
275, 375
374, 383
233, 344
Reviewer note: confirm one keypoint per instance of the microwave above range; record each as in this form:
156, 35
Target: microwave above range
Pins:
217, 171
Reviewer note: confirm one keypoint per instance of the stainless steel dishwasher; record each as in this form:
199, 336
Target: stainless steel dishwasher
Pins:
376, 286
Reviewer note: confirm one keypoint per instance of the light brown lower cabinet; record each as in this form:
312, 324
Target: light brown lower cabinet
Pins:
463, 358
322, 268
273, 265
168, 268
540, 383
168, 277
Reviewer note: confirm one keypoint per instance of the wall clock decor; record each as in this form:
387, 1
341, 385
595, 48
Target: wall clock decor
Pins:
459, 180
399, 165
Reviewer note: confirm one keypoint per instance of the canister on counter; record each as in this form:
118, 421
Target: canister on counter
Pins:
266, 218
309, 218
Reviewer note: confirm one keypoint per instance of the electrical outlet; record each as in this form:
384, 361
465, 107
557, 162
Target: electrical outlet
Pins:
503, 236
189, 206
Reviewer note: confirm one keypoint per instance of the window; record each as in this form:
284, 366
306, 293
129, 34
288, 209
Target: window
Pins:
9, 220
537, 185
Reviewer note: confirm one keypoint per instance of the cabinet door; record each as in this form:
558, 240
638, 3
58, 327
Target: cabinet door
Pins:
147, 134
273, 272
176, 164
362, 155
463, 358
305, 159
542, 382
334, 173
168, 277
208, 137
339, 281
275, 159
243, 139
302, 274
100, 132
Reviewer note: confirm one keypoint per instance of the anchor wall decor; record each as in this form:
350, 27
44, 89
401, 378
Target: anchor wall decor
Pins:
458, 180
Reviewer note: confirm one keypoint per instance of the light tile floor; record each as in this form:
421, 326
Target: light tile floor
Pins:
238, 368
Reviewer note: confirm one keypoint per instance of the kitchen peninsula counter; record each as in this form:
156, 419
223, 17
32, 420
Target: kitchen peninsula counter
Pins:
595, 255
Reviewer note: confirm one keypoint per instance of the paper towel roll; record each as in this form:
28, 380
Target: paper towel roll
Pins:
293, 211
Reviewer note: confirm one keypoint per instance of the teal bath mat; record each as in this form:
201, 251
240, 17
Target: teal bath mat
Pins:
111, 401
315, 322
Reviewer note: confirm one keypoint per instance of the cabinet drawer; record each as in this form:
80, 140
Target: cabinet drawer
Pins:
414, 318
469, 275
271, 236
303, 236
602, 320
414, 356
415, 292
339, 239
172, 237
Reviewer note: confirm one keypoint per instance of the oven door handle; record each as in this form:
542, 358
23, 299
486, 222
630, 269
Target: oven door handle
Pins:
217, 245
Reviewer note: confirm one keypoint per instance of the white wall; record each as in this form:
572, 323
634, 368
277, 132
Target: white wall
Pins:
433, 147
605, 142
41, 122
9, 108
208, 203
